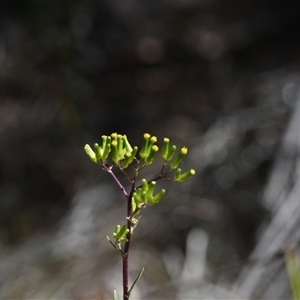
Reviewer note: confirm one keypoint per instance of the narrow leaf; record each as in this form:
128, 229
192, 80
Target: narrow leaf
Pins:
118, 249
136, 280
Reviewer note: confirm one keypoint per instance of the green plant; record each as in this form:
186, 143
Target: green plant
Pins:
293, 271
115, 151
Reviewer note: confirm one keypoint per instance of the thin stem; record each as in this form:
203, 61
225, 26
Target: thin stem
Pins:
109, 170
126, 293
126, 175
162, 174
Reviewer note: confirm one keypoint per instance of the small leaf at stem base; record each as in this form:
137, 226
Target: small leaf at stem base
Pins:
135, 281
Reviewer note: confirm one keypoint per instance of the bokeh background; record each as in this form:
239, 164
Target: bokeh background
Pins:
221, 77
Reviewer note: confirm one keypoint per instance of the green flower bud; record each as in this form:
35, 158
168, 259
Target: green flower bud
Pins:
149, 158
143, 198
158, 196
120, 144
133, 153
177, 174
138, 195
138, 201
127, 144
171, 152
144, 150
184, 176
121, 233
90, 153
115, 153
98, 151
104, 141
151, 188
144, 185
129, 157
118, 151
114, 136
165, 149
153, 140
107, 148
117, 230
126, 161
174, 164
133, 204
123, 239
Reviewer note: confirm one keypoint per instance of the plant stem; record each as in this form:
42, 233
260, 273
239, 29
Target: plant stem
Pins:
109, 170
125, 269
125, 258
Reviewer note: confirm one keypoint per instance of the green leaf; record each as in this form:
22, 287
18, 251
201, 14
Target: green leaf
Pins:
135, 281
293, 270
118, 249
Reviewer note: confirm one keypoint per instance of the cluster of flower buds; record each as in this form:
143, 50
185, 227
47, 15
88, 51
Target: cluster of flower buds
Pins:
144, 195
116, 144
120, 234
123, 154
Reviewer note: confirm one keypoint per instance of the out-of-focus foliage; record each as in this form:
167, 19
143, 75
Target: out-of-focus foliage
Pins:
293, 270
220, 76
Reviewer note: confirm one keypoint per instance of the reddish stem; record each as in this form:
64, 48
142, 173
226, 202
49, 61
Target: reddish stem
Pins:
126, 296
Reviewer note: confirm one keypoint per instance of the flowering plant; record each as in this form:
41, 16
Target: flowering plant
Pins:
115, 151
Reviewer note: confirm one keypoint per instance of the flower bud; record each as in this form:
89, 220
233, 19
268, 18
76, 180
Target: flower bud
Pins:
127, 160
144, 185
151, 188
184, 176
120, 144
174, 164
90, 153
177, 174
104, 141
106, 148
171, 152
158, 196
127, 144
115, 153
144, 150
165, 148
149, 158
98, 151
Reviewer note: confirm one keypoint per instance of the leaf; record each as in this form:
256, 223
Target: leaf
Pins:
119, 250
136, 280
293, 270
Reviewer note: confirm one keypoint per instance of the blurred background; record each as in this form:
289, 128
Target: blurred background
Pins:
220, 77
